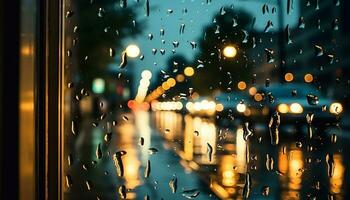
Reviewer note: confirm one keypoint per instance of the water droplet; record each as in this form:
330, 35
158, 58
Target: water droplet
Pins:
154, 51
147, 7
150, 36
147, 169
267, 82
299, 144
269, 162
196, 133
167, 131
122, 191
246, 131
124, 60
288, 37
123, 3
69, 13
334, 138
142, 141
182, 29
74, 128
125, 118
70, 159
176, 44
330, 164
274, 128
111, 52
88, 185
312, 99
108, 137
301, 23
330, 58
265, 191
265, 9
190, 194
69, 181
152, 150
318, 50
335, 24
209, 152
247, 186
246, 35
101, 12
193, 44
173, 185
162, 32
118, 162
309, 118
98, 151
268, 26
269, 55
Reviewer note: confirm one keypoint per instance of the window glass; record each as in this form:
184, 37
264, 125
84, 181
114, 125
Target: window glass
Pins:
206, 99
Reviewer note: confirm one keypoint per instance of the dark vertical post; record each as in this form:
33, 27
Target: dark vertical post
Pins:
9, 93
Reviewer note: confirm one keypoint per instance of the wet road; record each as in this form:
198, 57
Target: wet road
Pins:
208, 161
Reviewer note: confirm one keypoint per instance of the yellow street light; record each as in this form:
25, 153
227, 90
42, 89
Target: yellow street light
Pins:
132, 51
230, 51
189, 71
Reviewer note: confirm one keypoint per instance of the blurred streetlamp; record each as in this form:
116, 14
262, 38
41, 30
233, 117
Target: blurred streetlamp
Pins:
132, 51
230, 51
189, 71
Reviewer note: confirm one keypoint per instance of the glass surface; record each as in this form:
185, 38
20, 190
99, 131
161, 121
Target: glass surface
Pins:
202, 99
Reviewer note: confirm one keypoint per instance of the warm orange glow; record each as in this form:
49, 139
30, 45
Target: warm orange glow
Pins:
258, 97
230, 51
336, 181
171, 82
189, 71
288, 77
308, 78
180, 78
219, 107
252, 91
283, 108
165, 86
241, 85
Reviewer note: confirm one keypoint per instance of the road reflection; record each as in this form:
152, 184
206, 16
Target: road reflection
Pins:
292, 171
201, 155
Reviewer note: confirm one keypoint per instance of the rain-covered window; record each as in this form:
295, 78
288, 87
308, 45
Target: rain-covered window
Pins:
206, 99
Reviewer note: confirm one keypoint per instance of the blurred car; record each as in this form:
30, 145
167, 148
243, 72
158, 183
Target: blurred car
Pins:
233, 105
294, 101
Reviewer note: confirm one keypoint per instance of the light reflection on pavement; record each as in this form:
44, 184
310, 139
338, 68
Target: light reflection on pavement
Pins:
181, 141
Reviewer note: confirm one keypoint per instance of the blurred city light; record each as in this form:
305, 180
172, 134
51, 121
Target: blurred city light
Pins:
143, 87
180, 78
336, 108
230, 51
132, 51
252, 91
258, 97
189, 71
296, 108
146, 74
308, 78
98, 85
242, 85
283, 108
288, 77
241, 107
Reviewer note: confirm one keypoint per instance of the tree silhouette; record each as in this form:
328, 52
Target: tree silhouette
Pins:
228, 28
102, 26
